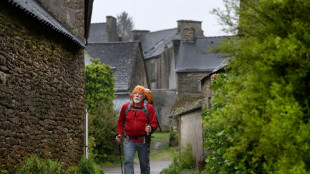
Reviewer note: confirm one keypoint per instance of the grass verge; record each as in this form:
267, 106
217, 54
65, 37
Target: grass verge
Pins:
160, 149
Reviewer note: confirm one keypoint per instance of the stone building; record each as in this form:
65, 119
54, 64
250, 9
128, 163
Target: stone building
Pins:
42, 103
103, 32
127, 60
161, 51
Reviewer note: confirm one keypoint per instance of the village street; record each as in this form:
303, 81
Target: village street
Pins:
156, 167
157, 163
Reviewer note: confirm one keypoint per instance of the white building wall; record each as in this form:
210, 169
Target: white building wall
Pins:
191, 132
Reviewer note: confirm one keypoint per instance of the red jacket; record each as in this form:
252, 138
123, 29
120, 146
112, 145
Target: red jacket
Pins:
136, 121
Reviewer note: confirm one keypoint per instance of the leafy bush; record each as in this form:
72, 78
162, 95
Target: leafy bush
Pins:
259, 121
183, 162
102, 131
87, 166
216, 130
36, 165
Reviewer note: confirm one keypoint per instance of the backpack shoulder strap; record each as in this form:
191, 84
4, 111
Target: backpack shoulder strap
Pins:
145, 110
128, 108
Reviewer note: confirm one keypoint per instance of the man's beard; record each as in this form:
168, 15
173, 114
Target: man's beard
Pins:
137, 100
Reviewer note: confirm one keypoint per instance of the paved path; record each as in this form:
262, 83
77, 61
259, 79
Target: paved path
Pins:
156, 167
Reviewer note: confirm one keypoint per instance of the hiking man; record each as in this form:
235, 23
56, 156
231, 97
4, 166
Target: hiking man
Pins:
139, 120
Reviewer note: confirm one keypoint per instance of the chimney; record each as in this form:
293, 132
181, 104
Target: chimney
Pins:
192, 29
188, 35
111, 29
136, 34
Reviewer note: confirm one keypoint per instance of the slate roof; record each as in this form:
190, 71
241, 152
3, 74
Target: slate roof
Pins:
97, 33
121, 55
35, 9
153, 43
185, 104
216, 70
194, 57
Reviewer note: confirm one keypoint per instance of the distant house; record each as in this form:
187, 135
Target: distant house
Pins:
161, 52
194, 62
158, 54
130, 70
103, 32
42, 102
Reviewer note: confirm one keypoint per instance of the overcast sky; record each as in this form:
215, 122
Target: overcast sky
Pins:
157, 15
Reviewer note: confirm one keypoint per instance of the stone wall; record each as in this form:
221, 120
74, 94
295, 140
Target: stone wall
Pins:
69, 12
41, 91
207, 93
188, 83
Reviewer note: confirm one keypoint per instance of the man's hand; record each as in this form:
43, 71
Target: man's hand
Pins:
148, 129
118, 139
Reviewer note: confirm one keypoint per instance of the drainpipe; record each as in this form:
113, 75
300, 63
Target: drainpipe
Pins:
86, 134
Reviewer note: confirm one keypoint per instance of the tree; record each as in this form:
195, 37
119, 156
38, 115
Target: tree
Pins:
99, 85
124, 25
259, 122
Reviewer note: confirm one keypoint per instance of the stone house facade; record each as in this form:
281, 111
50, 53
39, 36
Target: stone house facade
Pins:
42, 102
127, 60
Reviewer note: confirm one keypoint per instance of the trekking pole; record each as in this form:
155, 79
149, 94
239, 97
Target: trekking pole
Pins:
120, 153
148, 143
120, 157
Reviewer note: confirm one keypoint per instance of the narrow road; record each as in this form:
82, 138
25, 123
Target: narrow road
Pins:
156, 167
